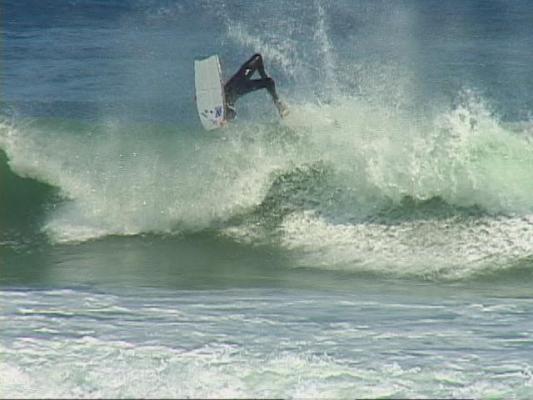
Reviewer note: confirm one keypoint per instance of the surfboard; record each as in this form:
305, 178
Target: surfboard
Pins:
209, 92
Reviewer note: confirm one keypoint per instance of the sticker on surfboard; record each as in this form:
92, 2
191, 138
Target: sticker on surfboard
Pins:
209, 92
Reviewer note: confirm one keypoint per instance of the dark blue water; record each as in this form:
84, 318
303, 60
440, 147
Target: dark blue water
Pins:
76, 58
377, 242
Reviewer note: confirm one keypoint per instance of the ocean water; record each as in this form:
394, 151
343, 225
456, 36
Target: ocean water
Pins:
378, 242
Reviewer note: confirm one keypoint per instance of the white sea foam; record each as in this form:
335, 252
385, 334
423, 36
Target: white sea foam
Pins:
116, 182
464, 156
446, 248
228, 344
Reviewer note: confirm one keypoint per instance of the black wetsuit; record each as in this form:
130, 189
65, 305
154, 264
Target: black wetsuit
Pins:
241, 83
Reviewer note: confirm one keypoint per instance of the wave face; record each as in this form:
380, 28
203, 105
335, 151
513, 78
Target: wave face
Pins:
398, 158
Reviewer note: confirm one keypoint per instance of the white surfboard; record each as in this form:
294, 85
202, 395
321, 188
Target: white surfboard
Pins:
209, 92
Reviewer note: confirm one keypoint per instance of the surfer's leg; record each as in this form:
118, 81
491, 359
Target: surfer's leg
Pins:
252, 85
241, 83
238, 84
254, 63
268, 84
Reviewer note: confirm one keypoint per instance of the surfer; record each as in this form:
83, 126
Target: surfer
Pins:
241, 83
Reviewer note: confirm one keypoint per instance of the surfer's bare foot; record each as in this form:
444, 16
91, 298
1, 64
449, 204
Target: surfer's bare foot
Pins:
282, 109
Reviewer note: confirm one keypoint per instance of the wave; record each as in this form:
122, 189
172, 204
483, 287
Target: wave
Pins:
126, 180
465, 158
345, 185
366, 173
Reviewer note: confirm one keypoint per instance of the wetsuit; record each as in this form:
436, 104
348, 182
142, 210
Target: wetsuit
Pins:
241, 83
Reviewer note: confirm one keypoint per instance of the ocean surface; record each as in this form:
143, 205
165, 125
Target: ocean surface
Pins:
378, 242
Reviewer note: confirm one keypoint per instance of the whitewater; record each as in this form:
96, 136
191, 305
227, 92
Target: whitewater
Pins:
376, 242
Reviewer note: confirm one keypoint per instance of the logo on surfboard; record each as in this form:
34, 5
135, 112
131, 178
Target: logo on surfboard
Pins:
216, 115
